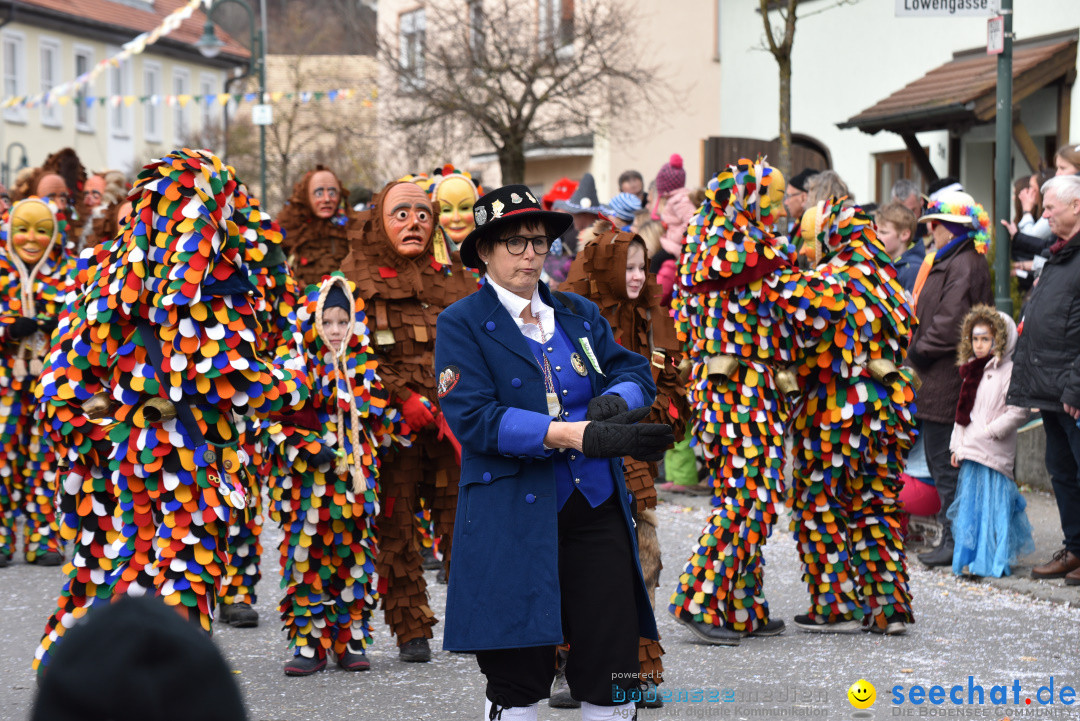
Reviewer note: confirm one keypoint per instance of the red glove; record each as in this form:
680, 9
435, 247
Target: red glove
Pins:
446, 434
417, 415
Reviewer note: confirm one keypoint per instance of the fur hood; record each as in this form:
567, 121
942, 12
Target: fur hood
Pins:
1004, 333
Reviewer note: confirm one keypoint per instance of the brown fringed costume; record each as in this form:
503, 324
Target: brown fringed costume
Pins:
66, 164
643, 326
403, 297
315, 246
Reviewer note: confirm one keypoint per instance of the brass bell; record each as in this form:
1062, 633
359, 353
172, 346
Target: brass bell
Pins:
721, 365
916, 381
884, 371
98, 406
155, 410
685, 366
787, 382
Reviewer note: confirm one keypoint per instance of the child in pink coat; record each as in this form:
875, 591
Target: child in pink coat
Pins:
989, 523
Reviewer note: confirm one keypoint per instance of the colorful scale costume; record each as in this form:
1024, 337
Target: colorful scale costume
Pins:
739, 305
315, 246
176, 285
328, 511
643, 326
30, 289
403, 297
852, 430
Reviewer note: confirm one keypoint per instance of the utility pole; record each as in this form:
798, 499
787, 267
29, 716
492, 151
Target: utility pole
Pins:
1003, 166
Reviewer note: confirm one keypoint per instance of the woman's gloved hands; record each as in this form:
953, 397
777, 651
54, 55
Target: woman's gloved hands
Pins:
325, 454
622, 435
416, 413
22, 327
602, 408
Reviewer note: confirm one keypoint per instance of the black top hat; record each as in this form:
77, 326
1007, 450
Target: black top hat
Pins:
509, 204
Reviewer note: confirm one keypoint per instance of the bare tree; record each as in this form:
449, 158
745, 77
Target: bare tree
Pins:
780, 47
513, 73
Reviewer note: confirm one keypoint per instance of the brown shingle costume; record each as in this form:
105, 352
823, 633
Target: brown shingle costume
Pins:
315, 246
403, 297
67, 165
643, 326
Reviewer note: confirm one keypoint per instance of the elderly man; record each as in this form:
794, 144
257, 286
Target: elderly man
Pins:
1046, 371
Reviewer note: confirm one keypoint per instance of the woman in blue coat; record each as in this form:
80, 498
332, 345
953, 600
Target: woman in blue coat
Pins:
544, 403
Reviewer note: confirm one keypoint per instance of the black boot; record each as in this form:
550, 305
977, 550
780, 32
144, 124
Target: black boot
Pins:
239, 615
415, 651
560, 690
940, 556
305, 665
48, 558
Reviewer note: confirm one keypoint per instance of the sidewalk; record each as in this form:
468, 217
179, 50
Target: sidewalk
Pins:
1043, 514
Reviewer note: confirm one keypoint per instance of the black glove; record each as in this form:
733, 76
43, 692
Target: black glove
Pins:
22, 327
621, 435
48, 325
324, 455
603, 407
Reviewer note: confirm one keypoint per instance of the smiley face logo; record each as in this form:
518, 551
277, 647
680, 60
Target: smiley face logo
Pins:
862, 694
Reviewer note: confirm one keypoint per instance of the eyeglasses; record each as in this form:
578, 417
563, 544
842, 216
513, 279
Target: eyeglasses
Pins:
93, 194
516, 244
795, 194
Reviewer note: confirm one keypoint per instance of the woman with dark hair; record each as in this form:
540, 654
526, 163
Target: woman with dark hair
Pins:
545, 404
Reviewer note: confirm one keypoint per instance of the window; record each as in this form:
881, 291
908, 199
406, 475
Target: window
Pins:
14, 76
120, 110
890, 167
476, 30
152, 106
180, 112
411, 48
84, 60
557, 25
50, 78
208, 104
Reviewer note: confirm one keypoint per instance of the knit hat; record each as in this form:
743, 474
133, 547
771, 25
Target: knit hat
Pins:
584, 199
337, 298
137, 659
801, 180
622, 206
671, 176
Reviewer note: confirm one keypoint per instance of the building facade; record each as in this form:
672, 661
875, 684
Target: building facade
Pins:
135, 110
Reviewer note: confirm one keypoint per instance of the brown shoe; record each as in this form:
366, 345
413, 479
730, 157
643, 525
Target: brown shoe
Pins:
1064, 562
1072, 578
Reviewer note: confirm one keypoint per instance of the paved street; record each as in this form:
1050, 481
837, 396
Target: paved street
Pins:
964, 628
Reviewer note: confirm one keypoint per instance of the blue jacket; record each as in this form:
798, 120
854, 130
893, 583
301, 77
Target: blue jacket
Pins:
907, 265
504, 569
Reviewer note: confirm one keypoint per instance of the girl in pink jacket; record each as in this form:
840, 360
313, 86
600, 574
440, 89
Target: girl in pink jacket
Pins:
988, 519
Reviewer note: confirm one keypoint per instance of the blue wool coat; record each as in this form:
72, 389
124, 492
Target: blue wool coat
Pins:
504, 571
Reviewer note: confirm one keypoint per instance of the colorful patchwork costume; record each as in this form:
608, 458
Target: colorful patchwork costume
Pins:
35, 275
156, 358
739, 306
852, 429
328, 507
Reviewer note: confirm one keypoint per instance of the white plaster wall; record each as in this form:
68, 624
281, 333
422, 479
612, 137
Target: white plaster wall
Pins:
846, 59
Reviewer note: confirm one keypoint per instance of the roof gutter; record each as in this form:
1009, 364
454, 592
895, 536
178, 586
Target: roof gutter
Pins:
953, 110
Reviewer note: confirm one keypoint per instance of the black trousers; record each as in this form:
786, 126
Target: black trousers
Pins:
936, 437
1063, 465
599, 616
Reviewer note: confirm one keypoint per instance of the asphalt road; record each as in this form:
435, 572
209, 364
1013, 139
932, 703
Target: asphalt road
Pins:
997, 633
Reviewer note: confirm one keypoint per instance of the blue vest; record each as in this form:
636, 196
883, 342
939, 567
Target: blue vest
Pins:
573, 471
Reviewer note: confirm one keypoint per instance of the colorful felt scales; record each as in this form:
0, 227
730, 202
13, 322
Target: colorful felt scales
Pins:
328, 509
33, 290
852, 430
167, 322
739, 307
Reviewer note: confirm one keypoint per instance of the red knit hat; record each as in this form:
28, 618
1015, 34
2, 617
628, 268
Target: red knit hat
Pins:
671, 176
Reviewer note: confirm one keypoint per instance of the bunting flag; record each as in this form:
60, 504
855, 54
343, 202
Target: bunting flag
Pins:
131, 48
305, 97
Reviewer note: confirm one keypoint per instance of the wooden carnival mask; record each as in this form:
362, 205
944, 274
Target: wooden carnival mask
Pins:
408, 219
33, 230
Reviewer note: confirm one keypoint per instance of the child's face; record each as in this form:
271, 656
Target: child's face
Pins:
895, 241
335, 323
982, 341
635, 271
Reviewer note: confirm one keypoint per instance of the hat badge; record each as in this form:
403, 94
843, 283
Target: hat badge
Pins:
515, 198
497, 209
481, 215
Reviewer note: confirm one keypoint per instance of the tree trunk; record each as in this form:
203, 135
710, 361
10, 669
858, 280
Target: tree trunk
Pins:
784, 161
512, 161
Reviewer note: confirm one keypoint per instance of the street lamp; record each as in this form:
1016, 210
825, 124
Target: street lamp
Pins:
210, 45
7, 164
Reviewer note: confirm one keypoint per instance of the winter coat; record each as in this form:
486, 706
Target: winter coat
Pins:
676, 215
990, 438
953, 285
907, 265
1048, 353
504, 573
